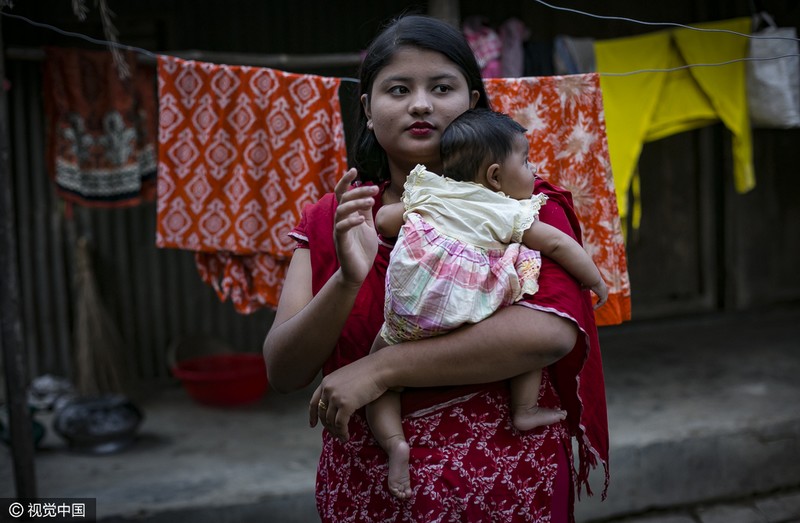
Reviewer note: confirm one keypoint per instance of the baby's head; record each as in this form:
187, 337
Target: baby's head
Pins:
488, 148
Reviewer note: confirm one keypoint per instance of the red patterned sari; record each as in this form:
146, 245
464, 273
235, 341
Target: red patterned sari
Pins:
467, 462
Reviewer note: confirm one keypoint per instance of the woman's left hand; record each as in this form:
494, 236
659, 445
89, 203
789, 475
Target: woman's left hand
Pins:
343, 392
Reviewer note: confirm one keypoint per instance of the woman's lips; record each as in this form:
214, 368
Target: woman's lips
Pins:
420, 129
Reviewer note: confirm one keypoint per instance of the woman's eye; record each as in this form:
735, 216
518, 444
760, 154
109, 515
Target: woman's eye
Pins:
398, 89
442, 88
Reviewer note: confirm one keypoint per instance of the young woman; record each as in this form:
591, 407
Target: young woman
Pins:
468, 462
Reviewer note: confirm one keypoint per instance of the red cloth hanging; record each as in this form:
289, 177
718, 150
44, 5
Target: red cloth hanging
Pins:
101, 129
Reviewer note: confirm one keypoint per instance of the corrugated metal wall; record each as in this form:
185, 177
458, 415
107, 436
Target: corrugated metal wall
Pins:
154, 295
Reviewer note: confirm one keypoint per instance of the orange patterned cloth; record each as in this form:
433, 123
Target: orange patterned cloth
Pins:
567, 134
241, 151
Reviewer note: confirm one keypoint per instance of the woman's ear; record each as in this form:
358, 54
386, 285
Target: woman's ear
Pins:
493, 176
367, 112
365, 105
473, 99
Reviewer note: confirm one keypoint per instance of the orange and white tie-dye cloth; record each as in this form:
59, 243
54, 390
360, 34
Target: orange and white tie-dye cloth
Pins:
568, 146
241, 151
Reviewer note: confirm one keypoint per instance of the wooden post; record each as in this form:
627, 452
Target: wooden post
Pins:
22, 448
447, 10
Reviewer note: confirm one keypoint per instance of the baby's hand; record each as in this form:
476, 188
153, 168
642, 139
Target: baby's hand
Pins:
601, 290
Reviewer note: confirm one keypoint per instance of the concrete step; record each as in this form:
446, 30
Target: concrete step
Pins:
700, 409
782, 506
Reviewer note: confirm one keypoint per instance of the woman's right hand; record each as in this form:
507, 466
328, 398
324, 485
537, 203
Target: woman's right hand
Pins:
344, 391
354, 230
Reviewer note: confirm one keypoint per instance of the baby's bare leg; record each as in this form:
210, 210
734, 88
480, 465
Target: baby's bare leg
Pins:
385, 420
525, 411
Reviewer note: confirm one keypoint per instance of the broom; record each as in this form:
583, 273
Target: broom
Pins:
98, 343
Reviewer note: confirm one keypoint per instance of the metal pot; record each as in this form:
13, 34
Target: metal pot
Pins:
98, 425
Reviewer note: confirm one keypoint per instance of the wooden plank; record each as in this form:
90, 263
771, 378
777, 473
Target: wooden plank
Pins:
57, 280
140, 280
155, 287
42, 248
21, 427
22, 191
125, 308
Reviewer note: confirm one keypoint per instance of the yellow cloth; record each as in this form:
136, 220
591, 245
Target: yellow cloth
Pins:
648, 106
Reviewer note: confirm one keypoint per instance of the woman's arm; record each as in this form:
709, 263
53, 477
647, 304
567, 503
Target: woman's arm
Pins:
514, 339
389, 219
568, 253
306, 327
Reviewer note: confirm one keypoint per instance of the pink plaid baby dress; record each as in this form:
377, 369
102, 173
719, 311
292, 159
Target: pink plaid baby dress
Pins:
458, 257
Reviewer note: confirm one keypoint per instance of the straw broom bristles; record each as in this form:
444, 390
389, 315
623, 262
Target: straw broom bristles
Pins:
98, 343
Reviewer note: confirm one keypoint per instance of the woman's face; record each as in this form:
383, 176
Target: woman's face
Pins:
413, 99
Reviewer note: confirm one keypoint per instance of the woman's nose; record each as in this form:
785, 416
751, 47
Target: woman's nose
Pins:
421, 104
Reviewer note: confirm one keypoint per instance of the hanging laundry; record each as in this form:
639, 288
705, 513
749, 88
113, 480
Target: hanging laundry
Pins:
485, 44
573, 55
648, 106
241, 151
100, 129
773, 86
566, 130
513, 35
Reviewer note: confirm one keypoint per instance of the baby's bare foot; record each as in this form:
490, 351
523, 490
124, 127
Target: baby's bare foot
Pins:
527, 417
399, 480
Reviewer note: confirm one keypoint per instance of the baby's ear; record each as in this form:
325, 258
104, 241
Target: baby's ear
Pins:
493, 176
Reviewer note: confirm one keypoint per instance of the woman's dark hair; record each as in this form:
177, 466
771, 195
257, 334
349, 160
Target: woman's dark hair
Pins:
418, 31
476, 138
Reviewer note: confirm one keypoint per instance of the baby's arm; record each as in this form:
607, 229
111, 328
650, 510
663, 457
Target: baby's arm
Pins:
389, 219
568, 253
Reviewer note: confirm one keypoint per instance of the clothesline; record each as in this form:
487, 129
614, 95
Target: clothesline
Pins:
277, 61
663, 24
350, 59
274, 61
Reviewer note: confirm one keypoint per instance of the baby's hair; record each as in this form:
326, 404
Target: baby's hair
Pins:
476, 138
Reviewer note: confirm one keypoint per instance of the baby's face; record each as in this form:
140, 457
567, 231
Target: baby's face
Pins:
517, 173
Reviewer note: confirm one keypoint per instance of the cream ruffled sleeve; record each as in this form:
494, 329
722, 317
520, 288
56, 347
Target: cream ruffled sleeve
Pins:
529, 210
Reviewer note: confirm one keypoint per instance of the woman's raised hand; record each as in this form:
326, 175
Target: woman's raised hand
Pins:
354, 231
